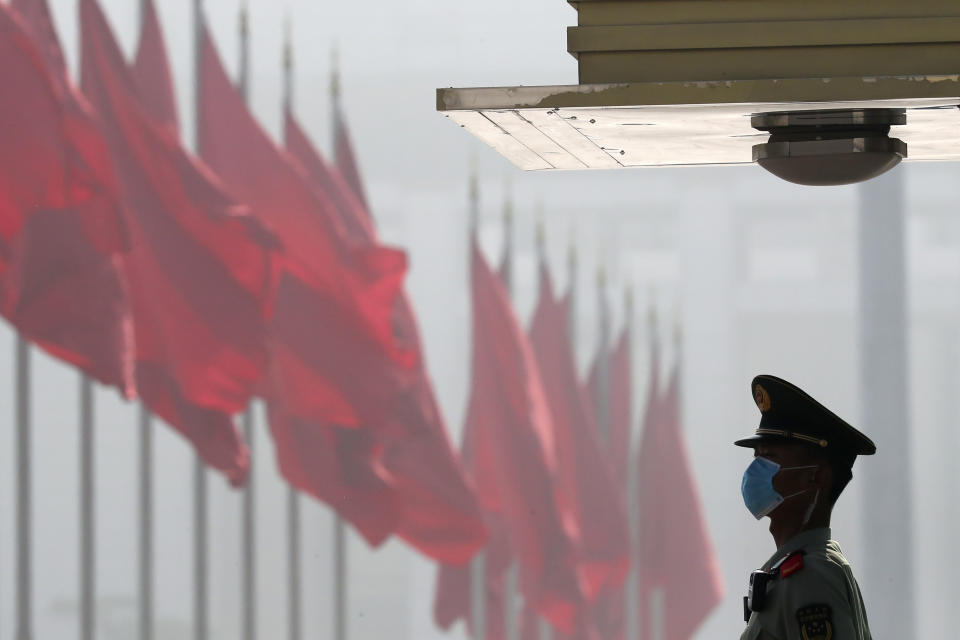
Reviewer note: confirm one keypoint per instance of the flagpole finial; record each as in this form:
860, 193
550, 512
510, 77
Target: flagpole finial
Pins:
287, 42
287, 62
540, 231
244, 19
198, 16
474, 181
335, 72
474, 191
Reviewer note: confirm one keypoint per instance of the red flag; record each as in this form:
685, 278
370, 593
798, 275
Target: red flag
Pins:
610, 614
586, 490
152, 70
36, 14
680, 581
60, 282
619, 401
608, 611
349, 208
201, 271
530, 625
356, 359
599, 391
530, 629
364, 278
514, 464
592, 381
439, 513
340, 467
621, 383
346, 160
302, 342
452, 598
335, 360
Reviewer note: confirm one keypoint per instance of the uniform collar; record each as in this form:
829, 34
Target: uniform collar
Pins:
803, 539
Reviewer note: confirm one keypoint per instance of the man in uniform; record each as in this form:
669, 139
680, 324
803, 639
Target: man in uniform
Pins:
803, 459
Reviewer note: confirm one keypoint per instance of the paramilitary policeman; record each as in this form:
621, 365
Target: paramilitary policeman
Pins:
803, 459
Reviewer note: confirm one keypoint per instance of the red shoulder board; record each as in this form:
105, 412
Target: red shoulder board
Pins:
792, 564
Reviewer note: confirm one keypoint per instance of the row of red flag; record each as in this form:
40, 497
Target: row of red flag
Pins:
197, 284
255, 270
555, 490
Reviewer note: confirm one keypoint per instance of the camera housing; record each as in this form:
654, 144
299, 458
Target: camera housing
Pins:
829, 148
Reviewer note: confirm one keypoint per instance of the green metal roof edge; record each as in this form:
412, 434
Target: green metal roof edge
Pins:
764, 91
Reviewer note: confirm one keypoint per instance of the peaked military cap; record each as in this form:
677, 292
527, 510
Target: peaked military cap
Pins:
787, 412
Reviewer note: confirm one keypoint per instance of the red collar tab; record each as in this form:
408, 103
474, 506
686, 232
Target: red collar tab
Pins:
791, 564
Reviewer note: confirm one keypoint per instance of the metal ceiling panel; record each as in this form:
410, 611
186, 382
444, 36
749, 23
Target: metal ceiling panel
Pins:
597, 127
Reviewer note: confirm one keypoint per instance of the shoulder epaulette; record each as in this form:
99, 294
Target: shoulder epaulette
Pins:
789, 564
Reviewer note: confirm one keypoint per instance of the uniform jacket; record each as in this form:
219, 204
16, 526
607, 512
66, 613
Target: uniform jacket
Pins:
813, 595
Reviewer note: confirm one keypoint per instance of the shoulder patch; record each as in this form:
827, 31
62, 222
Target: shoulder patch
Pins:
816, 622
791, 564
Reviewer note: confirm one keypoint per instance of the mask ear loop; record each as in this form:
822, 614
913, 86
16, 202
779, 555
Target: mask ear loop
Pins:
813, 505
806, 466
809, 512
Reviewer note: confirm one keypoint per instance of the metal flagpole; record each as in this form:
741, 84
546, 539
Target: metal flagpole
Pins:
478, 566
603, 363
24, 553
249, 595
248, 517
545, 631
884, 402
145, 516
293, 547
602, 391
288, 65
339, 527
657, 601
86, 510
340, 578
511, 579
243, 84
200, 613
633, 597
507, 265
632, 591
200, 609
572, 264
293, 498
146, 525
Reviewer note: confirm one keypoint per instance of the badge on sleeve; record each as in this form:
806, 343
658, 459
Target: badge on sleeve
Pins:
815, 622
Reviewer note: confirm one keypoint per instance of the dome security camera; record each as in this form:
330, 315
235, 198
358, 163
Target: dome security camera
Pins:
829, 148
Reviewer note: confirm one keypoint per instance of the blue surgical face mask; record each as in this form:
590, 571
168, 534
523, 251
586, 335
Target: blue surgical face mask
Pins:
757, 487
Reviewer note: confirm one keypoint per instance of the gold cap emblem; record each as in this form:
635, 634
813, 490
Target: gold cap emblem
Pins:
762, 398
